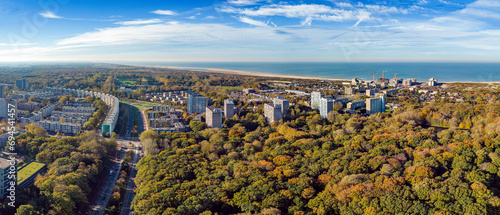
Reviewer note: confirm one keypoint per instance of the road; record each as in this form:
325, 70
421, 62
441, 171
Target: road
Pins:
129, 193
99, 207
130, 123
102, 200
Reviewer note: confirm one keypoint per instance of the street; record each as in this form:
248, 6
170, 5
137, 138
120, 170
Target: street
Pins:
126, 144
103, 199
129, 194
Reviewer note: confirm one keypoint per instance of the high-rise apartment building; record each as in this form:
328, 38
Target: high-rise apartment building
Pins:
22, 84
272, 112
375, 105
213, 117
315, 97
196, 103
325, 106
284, 103
228, 108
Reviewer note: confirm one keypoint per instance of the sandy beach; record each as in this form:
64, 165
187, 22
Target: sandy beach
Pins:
248, 73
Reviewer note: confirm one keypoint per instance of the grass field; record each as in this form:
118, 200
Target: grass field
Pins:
127, 82
230, 88
140, 105
28, 170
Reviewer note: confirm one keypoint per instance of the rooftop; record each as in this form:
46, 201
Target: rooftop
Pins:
4, 163
28, 170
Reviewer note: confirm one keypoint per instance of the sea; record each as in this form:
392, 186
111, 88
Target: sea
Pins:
444, 72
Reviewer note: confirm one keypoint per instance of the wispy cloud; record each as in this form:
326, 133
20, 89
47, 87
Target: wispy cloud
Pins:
164, 12
344, 4
309, 12
50, 14
16, 44
252, 22
449, 3
139, 22
175, 33
243, 2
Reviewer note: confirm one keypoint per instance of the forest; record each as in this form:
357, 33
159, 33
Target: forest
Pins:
426, 158
75, 167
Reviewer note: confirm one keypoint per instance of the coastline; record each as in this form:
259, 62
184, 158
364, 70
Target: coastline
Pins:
270, 75
247, 73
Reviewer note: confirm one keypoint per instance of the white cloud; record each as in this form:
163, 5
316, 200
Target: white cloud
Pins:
449, 3
291, 11
16, 44
49, 14
343, 4
307, 21
252, 22
243, 2
164, 12
175, 33
210, 17
139, 22
422, 2
486, 4
310, 12
191, 17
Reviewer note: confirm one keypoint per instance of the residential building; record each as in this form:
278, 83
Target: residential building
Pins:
284, 103
375, 105
196, 103
341, 101
272, 112
355, 81
382, 80
1, 92
163, 108
78, 109
354, 105
26, 175
371, 92
432, 82
63, 127
248, 90
350, 90
409, 82
325, 106
109, 124
213, 117
4, 108
228, 108
22, 84
4, 180
4, 138
315, 97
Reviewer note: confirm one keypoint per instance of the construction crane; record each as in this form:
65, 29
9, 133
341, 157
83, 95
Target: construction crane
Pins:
395, 75
374, 76
383, 74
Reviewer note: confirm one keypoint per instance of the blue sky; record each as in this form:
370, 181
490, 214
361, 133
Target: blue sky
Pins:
249, 30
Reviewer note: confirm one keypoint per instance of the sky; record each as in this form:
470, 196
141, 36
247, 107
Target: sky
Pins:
250, 30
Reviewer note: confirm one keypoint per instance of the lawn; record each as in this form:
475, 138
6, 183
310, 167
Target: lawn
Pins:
140, 105
231, 88
28, 170
128, 82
